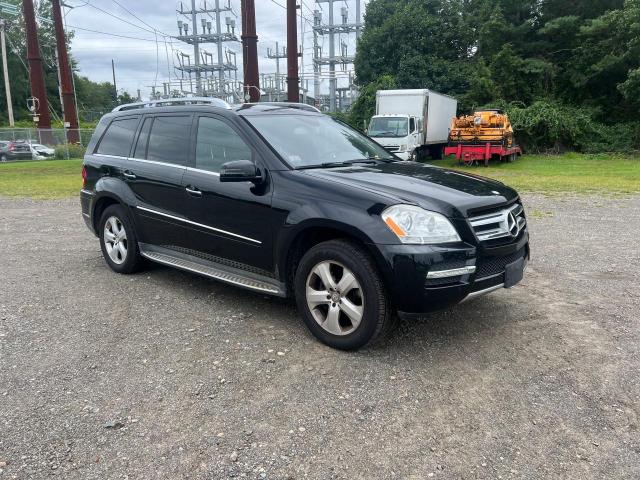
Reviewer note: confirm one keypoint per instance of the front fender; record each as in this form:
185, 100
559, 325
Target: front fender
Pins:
364, 226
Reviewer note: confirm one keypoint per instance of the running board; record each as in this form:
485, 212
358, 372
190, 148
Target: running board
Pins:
211, 270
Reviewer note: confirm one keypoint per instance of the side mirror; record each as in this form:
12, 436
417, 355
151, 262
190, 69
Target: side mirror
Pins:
241, 171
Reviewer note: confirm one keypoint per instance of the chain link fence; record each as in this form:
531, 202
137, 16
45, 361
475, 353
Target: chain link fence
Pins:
44, 144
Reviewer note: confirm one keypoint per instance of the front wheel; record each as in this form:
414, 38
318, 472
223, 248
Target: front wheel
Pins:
340, 295
436, 151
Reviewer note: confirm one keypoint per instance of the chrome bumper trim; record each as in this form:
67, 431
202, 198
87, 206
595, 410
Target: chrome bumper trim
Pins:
456, 272
480, 293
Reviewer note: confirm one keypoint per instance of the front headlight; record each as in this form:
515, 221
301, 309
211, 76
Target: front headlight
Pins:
416, 226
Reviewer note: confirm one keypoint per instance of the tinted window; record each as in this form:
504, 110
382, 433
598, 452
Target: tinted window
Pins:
118, 138
143, 140
169, 139
217, 143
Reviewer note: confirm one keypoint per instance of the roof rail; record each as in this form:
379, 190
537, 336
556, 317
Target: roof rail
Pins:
167, 102
296, 105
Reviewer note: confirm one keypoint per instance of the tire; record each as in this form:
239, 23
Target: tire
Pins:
3, 158
436, 151
118, 240
365, 294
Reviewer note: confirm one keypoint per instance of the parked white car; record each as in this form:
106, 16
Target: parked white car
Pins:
41, 151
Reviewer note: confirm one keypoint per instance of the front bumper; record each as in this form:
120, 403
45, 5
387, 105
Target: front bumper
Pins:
424, 278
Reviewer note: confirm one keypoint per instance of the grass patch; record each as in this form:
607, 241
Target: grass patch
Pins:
548, 174
48, 179
569, 173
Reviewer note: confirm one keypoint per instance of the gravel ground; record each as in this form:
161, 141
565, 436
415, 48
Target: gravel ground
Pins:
169, 375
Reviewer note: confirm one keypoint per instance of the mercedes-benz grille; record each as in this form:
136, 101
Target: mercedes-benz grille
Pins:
508, 222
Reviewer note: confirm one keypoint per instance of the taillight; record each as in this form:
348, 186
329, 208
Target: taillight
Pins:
84, 176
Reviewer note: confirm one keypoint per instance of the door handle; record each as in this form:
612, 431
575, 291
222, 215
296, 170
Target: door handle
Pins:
193, 191
129, 175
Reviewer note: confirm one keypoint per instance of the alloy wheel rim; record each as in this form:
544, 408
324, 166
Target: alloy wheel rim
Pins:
335, 298
115, 240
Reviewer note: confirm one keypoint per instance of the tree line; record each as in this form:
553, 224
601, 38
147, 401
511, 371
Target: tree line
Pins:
94, 98
567, 71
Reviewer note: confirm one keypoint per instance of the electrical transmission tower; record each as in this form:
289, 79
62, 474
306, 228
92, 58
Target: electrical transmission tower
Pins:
277, 55
342, 30
203, 28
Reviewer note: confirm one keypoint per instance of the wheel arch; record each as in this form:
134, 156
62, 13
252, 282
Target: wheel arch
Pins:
111, 191
312, 233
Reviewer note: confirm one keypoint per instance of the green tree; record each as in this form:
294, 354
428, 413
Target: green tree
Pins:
365, 106
94, 99
577, 57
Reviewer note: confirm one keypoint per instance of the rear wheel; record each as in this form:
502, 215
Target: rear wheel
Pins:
3, 158
340, 295
118, 240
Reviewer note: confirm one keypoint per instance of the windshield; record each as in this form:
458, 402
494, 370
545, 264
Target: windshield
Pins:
316, 140
389, 127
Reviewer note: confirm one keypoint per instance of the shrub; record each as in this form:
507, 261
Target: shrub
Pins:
547, 125
69, 150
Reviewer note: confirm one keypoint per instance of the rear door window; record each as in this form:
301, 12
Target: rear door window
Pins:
169, 139
118, 138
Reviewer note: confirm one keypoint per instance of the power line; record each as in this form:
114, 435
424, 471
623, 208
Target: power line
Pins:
120, 18
138, 18
112, 34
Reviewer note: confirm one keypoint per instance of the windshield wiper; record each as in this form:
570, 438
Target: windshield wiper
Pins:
383, 133
370, 161
322, 165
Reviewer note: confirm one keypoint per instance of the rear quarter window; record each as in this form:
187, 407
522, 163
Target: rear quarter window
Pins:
118, 138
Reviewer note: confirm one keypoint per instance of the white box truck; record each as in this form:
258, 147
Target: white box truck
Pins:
413, 123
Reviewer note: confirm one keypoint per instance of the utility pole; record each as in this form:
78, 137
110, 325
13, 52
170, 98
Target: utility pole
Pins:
219, 45
115, 88
64, 71
317, 54
36, 73
250, 51
293, 85
333, 81
196, 45
278, 55
5, 70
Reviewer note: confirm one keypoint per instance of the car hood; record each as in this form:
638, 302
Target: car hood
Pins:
449, 192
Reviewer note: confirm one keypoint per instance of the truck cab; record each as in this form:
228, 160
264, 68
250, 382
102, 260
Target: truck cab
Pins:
398, 134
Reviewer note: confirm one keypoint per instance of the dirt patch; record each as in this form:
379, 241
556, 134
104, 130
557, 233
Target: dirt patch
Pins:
168, 375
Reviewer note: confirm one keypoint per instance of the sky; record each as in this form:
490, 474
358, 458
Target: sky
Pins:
141, 61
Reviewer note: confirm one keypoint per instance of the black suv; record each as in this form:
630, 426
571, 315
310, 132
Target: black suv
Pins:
289, 202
